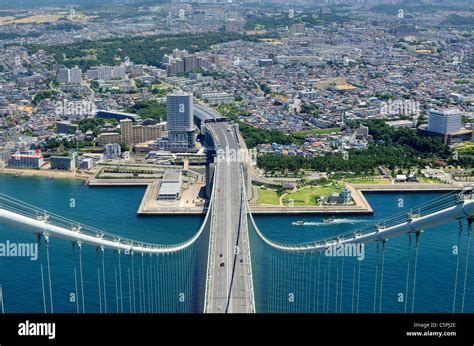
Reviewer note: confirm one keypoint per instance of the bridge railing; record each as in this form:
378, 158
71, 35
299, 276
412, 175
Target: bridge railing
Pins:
444, 209
40, 221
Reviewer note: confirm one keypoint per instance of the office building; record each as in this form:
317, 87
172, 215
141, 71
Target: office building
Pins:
181, 133
179, 110
64, 163
445, 121
28, 159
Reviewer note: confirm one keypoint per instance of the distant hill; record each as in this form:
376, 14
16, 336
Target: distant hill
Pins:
24, 4
456, 20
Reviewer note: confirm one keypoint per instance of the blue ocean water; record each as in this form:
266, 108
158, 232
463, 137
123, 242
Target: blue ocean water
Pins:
114, 210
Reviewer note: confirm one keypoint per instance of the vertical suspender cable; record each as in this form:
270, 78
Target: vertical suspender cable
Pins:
140, 286
358, 286
150, 283
129, 285
46, 237
408, 272
469, 232
79, 245
458, 256
143, 287
328, 291
116, 282
119, 253
376, 276
323, 308
337, 286
74, 259
133, 283
158, 284
381, 275
1, 299
341, 289
353, 287
98, 280
414, 273
42, 285
103, 278
311, 282
319, 268
42, 279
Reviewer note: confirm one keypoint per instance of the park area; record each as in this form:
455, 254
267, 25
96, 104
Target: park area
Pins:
307, 196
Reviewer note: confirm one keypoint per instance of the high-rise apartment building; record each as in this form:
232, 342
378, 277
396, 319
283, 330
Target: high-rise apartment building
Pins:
75, 75
181, 133
70, 76
126, 130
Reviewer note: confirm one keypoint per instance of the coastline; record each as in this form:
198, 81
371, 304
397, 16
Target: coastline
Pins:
361, 207
51, 174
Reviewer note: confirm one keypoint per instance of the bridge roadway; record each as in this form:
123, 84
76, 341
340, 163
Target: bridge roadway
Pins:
229, 284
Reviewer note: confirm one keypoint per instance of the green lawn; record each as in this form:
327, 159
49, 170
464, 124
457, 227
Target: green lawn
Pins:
267, 196
430, 180
367, 181
305, 196
466, 148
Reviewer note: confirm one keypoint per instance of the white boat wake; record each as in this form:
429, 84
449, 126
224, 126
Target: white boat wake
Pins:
333, 222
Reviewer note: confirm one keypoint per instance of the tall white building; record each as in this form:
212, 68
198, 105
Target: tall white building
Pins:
444, 121
75, 75
70, 76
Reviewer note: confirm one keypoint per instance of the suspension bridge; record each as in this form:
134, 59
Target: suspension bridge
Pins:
230, 266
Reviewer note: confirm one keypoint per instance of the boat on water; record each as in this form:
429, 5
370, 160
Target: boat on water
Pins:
300, 222
328, 220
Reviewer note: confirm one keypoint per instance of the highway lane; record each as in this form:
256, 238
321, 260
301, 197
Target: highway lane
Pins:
230, 288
